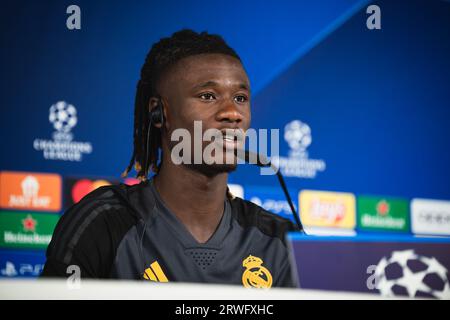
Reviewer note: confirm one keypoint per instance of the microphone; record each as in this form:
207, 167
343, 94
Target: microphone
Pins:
261, 161
254, 158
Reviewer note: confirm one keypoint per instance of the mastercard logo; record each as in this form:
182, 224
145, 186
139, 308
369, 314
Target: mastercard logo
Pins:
84, 186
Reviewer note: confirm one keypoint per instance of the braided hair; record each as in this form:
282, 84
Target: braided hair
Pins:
163, 54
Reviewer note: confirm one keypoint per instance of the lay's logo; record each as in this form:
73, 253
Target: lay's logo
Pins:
30, 191
327, 209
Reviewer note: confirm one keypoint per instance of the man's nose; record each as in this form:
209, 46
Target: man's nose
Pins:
229, 112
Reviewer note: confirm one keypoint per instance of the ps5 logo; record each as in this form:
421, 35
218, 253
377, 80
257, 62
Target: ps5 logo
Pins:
24, 269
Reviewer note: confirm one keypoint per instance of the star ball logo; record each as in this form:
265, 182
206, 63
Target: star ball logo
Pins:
298, 136
406, 273
63, 117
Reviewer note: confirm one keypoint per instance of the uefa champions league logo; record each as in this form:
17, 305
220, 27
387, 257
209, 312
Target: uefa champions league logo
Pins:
63, 117
405, 273
298, 136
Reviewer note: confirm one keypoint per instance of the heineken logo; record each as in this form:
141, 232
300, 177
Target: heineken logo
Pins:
390, 214
29, 224
26, 230
383, 208
17, 239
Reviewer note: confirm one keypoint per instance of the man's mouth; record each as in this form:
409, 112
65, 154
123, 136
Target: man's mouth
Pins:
230, 142
232, 138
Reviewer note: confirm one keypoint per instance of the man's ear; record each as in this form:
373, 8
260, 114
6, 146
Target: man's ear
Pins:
153, 104
165, 111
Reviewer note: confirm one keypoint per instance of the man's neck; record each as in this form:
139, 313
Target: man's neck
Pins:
196, 199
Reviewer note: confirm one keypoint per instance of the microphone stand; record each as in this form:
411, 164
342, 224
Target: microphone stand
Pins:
262, 161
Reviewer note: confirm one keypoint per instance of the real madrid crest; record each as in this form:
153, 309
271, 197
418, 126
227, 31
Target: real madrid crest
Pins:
255, 275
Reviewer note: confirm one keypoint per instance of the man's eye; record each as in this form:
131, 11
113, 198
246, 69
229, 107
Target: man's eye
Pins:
240, 99
207, 96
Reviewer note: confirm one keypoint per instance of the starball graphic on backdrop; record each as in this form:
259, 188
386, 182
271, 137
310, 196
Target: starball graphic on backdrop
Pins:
298, 164
63, 117
388, 266
408, 273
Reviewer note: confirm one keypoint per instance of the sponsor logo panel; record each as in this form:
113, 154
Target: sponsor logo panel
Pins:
327, 209
272, 200
430, 216
30, 191
21, 264
26, 229
383, 213
76, 188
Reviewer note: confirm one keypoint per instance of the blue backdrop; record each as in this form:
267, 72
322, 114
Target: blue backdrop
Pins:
376, 101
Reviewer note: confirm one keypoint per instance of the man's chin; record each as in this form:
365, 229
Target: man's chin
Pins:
211, 170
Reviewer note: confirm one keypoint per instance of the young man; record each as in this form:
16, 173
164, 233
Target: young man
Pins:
182, 224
